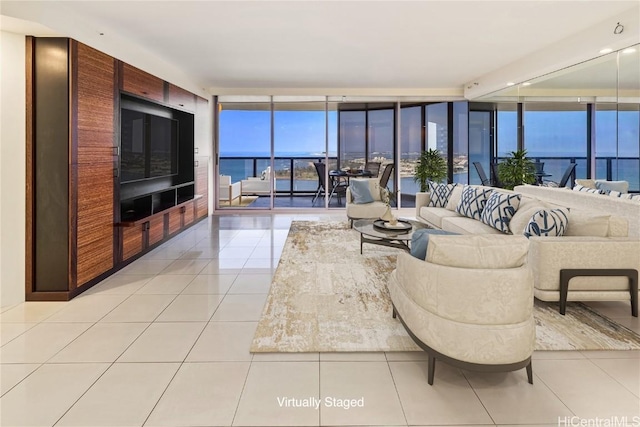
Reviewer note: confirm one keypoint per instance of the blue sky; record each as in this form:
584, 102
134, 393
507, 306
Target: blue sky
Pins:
552, 133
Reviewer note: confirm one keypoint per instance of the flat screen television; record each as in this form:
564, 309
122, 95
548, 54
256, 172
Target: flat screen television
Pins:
148, 146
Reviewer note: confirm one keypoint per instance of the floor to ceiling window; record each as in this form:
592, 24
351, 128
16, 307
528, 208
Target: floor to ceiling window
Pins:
245, 153
555, 134
618, 143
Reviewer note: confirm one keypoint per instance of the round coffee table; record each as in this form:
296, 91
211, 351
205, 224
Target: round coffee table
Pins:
392, 238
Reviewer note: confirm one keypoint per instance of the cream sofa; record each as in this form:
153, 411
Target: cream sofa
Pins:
260, 185
475, 311
595, 239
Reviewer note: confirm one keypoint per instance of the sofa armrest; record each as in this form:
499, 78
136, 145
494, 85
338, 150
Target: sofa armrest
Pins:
422, 200
548, 255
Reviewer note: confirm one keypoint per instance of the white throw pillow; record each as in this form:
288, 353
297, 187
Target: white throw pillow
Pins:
583, 224
589, 183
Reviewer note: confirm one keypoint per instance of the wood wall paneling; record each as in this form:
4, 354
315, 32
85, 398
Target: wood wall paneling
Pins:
94, 97
132, 241
95, 220
181, 98
141, 83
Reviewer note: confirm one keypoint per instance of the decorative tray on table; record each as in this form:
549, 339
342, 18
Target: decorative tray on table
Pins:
401, 225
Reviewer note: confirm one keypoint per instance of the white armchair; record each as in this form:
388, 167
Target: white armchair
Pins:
227, 192
373, 210
258, 185
470, 303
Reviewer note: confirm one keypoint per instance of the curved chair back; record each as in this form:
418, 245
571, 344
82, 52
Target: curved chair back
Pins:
495, 176
483, 176
374, 168
386, 174
567, 174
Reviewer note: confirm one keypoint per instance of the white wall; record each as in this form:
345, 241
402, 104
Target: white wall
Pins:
12, 168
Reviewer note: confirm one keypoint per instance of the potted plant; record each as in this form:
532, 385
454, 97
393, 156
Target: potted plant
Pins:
431, 166
516, 170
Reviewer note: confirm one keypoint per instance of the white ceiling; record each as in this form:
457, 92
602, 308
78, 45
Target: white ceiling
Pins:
331, 44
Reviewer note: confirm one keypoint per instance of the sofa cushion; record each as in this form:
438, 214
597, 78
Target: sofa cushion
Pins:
472, 201
420, 241
607, 186
499, 210
464, 225
584, 224
434, 215
360, 192
548, 222
439, 194
454, 198
484, 252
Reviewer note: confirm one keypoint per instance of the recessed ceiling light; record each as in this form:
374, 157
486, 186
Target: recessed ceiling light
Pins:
526, 84
629, 50
607, 50
510, 84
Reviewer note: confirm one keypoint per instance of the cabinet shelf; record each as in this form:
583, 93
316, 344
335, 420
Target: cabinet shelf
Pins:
138, 208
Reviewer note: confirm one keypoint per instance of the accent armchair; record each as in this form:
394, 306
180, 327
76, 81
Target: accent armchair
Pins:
228, 192
470, 303
372, 210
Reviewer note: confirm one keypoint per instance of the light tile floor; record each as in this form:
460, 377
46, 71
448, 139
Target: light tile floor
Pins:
164, 342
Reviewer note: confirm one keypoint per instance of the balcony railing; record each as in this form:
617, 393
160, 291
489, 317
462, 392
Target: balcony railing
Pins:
293, 175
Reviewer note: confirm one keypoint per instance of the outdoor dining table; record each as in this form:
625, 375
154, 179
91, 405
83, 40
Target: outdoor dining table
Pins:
336, 176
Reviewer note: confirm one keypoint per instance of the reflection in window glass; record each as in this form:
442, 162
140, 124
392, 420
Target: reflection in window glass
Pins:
381, 135
461, 142
245, 131
618, 143
410, 148
352, 138
556, 134
507, 128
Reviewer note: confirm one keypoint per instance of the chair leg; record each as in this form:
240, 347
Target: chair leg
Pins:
432, 369
394, 313
530, 373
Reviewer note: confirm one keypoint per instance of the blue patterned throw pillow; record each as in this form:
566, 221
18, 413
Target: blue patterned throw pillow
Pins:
439, 194
545, 222
472, 201
499, 210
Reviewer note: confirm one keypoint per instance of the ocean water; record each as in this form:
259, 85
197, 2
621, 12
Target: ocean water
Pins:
239, 169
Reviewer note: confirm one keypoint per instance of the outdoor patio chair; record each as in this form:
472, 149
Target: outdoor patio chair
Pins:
483, 176
331, 187
373, 167
386, 174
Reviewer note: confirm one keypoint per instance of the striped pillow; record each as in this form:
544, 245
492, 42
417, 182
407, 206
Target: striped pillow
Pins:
586, 189
548, 222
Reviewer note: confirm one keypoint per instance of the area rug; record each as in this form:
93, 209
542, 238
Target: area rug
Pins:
246, 201
327, 297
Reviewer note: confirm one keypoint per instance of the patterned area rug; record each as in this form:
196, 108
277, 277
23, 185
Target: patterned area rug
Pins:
326, 297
